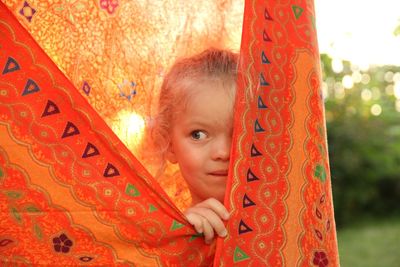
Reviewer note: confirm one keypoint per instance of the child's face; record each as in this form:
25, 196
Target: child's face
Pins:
201, 141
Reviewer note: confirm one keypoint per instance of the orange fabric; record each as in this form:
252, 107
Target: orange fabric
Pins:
280, 191
71, 193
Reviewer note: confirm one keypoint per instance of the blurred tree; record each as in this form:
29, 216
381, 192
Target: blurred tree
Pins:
362, 111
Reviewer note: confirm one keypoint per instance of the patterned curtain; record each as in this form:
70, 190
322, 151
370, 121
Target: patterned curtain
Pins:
78, 83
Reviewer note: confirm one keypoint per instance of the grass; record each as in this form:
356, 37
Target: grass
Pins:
372, 243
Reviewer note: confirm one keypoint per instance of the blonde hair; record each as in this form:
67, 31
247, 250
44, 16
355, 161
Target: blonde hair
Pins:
178, 84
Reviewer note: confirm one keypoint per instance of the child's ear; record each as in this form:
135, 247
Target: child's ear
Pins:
171, 157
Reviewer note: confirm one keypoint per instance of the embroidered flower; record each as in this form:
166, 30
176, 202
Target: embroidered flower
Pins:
62, 243
320, 259
109, 5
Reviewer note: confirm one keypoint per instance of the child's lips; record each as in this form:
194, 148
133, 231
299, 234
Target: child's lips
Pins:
219, 173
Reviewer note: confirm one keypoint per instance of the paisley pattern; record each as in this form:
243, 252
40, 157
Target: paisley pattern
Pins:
72, 193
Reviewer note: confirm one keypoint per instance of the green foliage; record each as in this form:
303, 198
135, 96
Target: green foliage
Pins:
370, 244
364, 140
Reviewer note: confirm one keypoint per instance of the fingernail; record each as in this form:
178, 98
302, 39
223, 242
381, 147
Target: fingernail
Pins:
226, 216
224, 233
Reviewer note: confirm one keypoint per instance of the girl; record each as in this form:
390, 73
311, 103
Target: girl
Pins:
194, 126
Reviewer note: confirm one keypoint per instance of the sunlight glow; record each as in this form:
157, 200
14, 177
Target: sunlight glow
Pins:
376, 110
397, 90
359, 31
130, 128
366, 94
348, 82
337, 65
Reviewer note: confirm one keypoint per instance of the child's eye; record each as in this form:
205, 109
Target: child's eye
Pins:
198, 135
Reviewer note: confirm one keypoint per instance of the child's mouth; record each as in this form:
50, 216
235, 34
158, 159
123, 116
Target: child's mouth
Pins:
219, 173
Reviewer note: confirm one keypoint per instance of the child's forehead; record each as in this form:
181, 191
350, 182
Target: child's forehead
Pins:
208, 89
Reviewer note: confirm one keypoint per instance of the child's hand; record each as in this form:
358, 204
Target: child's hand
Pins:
206, 217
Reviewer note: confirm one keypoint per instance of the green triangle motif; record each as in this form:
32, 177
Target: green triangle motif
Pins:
195, 236
297, 11
320, 173
152, 208
239, 255
176, 225
131, 190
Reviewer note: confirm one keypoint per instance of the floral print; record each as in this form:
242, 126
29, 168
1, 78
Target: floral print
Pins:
62, 243
320, 259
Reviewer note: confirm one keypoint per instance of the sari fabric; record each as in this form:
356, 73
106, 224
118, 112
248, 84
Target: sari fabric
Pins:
71, 191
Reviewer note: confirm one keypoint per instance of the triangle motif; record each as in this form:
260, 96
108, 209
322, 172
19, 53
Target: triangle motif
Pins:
111, 171
90, 151
50, 109
266, 37
264, 58
11, 66
244, 228
297, 11
251, 177
30, 87
131, 190
263, 82
239, 255
195, 236
260, 103
152, 208
70, 130
254, 151
257, 127
267, 16
176, 225
247, 202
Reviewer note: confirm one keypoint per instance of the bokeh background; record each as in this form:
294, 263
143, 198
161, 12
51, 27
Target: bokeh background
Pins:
360, 53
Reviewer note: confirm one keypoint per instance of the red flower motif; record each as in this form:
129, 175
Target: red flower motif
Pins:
109, 5
320, 259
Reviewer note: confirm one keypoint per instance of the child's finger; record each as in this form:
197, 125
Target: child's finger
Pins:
212, 218
216, 206
208, 231
195, 220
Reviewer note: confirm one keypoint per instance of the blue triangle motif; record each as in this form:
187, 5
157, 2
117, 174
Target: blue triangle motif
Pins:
260, 103
257, 127
11, 66
263, 82
264, 58
30, 87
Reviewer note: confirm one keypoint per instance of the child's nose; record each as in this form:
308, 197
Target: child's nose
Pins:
222, 149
